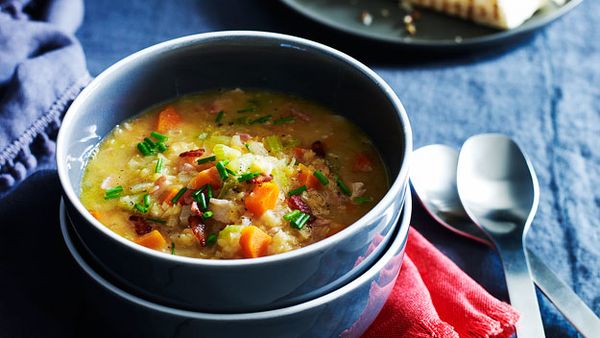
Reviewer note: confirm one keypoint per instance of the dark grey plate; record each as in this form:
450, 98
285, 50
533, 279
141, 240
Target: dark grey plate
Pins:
433, 29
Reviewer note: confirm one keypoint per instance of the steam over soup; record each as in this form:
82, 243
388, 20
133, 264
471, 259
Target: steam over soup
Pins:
233, 174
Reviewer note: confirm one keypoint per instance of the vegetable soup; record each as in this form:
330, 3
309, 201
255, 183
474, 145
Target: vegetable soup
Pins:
233, 174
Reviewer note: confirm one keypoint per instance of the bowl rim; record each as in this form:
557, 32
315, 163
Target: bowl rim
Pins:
401, 237
285, 41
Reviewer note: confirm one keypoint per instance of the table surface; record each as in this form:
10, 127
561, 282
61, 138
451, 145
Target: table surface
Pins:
543, 91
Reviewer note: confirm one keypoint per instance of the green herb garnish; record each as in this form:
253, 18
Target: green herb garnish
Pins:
160, 163
247, 177
219, 116
159, 136
201, 199
297, 191
361, 200
292, 215
146, 200
261, 120
172, 248
211, 239
144, 149
343, 187
113, 192
300, 221
207, 159
222, 170
282, 120
140, 208
161, 147
207, 214
179, 194
156, 220
321, 177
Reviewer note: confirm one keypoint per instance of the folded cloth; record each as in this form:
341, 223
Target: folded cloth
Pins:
42, 69
433, 297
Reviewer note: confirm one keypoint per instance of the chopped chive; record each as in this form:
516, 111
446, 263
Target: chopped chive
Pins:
146, 200
160, 163
159, 136
207, 214
161, 147
113, 192
282, 120
231, 172
206, 159
361, 200
179, 194
261, 120
141, 208
292, 215
247, 110
209, 192
200, 198
343, 187
172, 248
222, 171
211, 239
321, 177
300, 221
247, 177
219, 116
143, 148
156, 220
149, 143
297, 191
247, 146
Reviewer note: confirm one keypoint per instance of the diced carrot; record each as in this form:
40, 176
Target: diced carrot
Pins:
254, 242
262, 198
96, 214
306, 177
168, 195
168, 119
153, 240
362, 163
207, 176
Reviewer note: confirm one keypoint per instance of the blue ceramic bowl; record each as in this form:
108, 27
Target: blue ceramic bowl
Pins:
344, 312
228, 60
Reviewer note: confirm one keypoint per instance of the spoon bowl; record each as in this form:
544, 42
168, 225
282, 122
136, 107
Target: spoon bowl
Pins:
499, 191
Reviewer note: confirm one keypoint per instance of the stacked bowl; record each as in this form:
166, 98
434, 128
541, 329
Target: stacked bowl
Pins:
330, 288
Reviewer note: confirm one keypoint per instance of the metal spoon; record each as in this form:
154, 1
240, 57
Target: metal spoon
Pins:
433, 177
499, 190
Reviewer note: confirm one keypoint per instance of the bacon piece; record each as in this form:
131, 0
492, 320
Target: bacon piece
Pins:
198, 229
260, 179
195, 209
142, 226
300, 115
296, 203
318, 148
187, 198
192, 153
244, 137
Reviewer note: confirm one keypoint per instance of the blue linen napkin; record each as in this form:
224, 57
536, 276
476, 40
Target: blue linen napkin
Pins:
42, 69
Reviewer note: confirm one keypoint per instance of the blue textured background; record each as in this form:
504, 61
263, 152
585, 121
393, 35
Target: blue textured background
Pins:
544, 92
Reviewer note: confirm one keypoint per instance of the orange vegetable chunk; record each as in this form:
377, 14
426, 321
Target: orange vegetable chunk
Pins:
168, 119
168, 195
254, 242
153, 240
262, 198
207, 176
306, 177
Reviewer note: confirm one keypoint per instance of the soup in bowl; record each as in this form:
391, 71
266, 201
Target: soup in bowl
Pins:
286, 217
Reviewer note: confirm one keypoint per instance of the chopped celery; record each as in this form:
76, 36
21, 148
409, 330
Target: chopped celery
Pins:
273, 143
224, 152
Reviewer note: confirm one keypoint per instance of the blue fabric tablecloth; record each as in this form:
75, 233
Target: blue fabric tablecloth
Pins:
544, 92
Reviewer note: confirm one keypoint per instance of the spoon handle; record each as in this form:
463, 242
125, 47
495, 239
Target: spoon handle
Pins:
565, 300
521, 291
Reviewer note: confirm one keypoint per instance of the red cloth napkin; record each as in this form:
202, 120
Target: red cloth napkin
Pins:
433, 297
